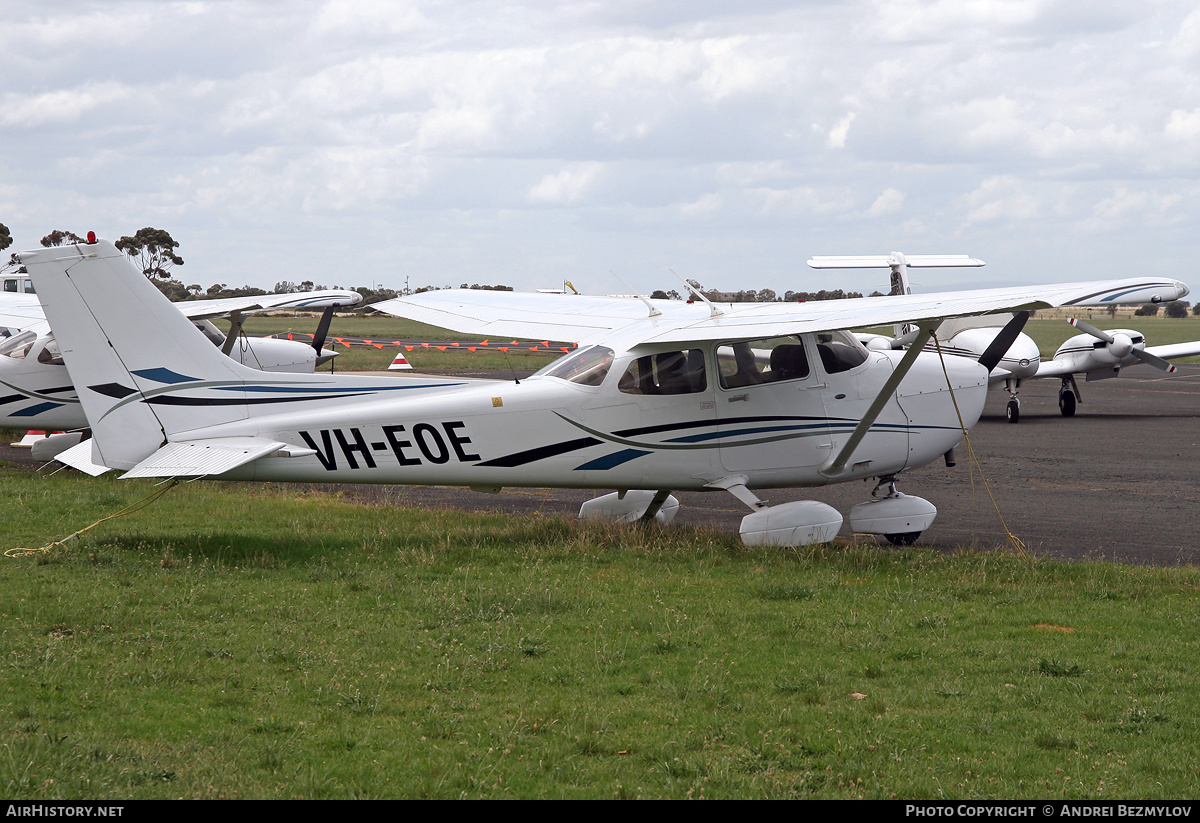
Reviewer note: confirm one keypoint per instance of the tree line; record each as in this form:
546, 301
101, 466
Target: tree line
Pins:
155, 253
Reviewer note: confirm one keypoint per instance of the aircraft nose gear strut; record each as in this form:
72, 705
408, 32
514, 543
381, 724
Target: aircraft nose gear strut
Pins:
1013, 410
897, 516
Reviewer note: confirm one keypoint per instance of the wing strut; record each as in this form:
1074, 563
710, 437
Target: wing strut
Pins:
837, 464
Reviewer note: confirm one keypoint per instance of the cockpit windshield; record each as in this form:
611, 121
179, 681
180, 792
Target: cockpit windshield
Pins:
18, 345
587, 367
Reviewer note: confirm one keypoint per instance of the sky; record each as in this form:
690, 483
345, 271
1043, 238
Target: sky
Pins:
364, 142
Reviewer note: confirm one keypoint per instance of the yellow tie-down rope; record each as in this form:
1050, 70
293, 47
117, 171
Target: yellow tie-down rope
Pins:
972, 460
130, 509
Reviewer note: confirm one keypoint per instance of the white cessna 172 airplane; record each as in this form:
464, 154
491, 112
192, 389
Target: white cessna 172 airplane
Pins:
37, 393
1096, 354
660, 396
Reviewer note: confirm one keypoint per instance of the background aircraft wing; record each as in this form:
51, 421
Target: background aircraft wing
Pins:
20, 311
1173, 351
1053, 368
582, 319
300, 301
23, 311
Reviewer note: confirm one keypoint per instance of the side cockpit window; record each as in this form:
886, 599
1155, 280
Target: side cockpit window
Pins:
676, 372
50, 355
840, 351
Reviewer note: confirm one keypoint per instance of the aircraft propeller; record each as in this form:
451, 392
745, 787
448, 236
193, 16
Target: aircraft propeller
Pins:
1120, 346
318, 342
1003, 341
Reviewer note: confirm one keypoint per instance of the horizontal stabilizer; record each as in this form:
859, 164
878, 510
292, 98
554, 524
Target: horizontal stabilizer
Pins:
79, 457
883, 261
204, 457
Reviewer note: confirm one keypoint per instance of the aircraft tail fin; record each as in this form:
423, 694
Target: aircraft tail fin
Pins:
127, 374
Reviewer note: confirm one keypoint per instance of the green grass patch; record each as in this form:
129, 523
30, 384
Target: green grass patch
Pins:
251, 641
384, 327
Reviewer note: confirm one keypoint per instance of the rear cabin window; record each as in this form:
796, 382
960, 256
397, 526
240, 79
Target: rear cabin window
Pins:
750, 362
676, 372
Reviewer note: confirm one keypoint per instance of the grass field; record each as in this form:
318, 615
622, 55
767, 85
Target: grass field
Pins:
262, 641
366, 358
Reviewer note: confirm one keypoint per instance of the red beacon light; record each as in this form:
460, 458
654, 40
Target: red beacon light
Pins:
91, 238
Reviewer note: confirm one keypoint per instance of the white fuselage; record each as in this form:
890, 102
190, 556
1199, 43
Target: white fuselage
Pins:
549, 431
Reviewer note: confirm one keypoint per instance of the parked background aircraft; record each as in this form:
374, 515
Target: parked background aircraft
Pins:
1096, 354
663, 396
37, 393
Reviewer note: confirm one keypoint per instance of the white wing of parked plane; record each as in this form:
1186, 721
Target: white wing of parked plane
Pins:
300, 301
586, 319
20, 311
23, 311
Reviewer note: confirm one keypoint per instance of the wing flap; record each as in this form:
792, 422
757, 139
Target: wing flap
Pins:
203, 457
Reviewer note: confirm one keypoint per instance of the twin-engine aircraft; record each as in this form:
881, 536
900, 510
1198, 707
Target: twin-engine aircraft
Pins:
1095, 354
37, 393
660, 396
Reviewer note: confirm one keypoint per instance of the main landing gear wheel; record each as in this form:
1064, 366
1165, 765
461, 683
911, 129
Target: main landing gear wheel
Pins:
1013, 410
1066, 403
904, 539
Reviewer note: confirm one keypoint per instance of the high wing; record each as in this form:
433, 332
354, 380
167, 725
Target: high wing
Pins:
585, 319
23, 311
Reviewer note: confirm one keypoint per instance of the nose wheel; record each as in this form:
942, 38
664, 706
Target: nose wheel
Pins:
1066, 404
1013, 410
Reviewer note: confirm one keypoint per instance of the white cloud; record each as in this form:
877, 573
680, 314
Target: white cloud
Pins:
56, 107
566, 186
1184, 125
1002, 199
720, 133
837, 135
888, 201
